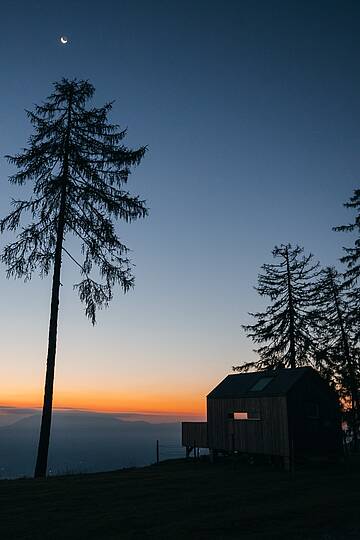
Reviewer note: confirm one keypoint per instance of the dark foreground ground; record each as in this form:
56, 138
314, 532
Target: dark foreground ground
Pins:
180, 499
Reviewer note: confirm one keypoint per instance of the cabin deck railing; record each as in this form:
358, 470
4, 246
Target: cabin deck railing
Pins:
194, 434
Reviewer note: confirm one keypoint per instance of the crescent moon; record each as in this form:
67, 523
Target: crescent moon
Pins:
64, 40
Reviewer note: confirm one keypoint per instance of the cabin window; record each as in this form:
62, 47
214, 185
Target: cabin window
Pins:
244, 415
261, 384
241, 416
312, 409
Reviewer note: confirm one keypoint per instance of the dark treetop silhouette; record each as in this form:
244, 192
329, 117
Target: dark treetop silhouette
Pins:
352, 260
284, 330
78, 166
352, 257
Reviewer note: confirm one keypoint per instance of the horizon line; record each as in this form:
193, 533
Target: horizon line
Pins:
103, 411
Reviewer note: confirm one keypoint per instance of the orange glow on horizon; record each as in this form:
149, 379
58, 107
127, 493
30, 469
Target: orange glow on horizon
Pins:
162, 404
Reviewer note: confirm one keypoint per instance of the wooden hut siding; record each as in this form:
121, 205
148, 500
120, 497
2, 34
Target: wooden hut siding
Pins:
309, 433
194, 434
266, 435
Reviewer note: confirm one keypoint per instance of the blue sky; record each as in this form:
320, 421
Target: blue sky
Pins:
250, 110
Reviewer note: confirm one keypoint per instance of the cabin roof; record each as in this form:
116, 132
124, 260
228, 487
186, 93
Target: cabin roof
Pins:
259, 383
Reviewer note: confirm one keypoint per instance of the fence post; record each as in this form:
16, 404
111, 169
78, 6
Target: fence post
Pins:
157, 452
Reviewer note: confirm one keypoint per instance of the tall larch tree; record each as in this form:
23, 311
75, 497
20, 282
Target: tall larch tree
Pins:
284, 330
78, 167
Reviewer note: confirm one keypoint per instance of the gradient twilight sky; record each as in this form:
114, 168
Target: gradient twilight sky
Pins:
251, 111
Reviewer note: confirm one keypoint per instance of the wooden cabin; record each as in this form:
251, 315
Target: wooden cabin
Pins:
282, 412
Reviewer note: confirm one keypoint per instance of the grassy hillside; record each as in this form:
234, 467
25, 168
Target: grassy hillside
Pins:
180, 499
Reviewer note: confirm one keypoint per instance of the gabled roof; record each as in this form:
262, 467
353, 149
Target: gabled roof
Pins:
259, 383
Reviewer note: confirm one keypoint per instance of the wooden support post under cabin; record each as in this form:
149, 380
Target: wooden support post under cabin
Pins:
213, 455
287, 463
289, 460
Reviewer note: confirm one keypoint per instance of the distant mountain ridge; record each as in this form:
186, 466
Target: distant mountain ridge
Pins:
86, 442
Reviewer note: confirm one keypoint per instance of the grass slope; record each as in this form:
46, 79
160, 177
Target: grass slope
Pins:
186, 499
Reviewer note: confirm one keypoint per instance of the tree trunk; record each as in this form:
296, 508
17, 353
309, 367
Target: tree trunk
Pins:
43, 448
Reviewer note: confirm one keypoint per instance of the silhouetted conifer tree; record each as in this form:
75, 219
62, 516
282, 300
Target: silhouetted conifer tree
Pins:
352, 257
78, 166
337, 338
285, 329
352, 260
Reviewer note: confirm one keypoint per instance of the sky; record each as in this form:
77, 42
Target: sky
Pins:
250, 110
